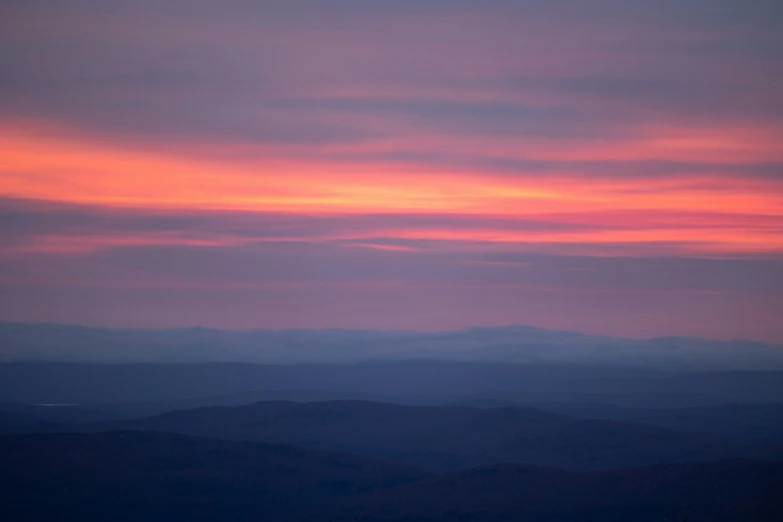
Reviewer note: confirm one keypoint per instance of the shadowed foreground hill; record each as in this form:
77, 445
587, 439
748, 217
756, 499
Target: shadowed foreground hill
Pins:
124, 477
727, 491
160, 477
444, 438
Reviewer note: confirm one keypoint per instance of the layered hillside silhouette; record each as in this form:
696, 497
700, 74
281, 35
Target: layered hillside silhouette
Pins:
159, 477
395, 441
445, 438
727, 491
164, 477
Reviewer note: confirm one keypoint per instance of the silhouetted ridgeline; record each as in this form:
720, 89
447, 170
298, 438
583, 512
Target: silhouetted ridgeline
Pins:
445, 438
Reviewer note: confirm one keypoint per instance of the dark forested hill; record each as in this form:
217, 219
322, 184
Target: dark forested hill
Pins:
162, 477
444, 438
121, 476
727, 491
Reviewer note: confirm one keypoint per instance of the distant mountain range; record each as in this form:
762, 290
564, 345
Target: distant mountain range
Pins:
519, 344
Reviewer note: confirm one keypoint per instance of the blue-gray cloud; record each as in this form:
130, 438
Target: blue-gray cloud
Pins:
187, 71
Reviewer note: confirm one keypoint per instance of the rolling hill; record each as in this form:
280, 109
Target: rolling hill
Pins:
445, 438
162, 477
727, 491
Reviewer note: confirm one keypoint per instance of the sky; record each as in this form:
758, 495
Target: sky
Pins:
606, 166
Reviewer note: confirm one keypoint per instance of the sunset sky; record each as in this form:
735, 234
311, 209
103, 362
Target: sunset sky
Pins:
605, 166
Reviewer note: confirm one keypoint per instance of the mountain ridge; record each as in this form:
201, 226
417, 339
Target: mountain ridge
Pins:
21, 342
